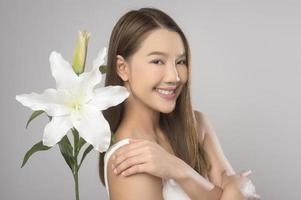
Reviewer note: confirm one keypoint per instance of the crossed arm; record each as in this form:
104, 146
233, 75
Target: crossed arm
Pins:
196, 186
212, 146
148, 187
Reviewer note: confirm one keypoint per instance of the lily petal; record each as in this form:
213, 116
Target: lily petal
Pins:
56, 129
87, 82
94, 128
100, 59
51, 101
106, 97
62, 71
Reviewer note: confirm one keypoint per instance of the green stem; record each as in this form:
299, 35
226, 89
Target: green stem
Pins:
75, 167
75, 175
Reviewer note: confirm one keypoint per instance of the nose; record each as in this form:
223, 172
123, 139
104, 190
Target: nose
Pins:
172, 75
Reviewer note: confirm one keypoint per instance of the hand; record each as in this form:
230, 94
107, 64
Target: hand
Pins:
144, 156
241, 183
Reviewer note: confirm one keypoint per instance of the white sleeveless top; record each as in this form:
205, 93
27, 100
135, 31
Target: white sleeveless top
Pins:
170, 191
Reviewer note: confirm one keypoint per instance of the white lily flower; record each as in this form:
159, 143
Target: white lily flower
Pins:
76, 103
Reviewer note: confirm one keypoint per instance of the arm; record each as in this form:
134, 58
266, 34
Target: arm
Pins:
220, 164
197, 186
217, 158
213, 147
135, 187
230, 193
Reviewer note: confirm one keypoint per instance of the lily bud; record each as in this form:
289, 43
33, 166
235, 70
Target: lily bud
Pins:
80, 52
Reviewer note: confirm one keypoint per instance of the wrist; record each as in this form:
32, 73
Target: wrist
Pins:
234, 190
179, 171
193, 183
215, 193
184, 174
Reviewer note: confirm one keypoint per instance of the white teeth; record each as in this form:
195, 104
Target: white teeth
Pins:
165, 91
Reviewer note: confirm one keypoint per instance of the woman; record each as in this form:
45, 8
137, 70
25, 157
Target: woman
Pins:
162, 149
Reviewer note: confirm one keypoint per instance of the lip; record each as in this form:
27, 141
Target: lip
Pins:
167, 96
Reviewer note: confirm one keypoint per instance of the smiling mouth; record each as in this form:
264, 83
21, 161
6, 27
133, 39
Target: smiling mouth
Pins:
167, 94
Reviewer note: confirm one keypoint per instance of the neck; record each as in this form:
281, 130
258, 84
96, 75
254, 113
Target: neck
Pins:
140, 120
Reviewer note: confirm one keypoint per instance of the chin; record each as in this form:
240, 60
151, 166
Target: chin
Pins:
167, 112
167, 109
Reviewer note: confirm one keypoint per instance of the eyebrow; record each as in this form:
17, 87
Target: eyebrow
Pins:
162, 53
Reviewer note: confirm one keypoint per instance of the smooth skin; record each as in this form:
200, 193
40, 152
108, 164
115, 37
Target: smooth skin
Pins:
141, 73
150, 158
144, 156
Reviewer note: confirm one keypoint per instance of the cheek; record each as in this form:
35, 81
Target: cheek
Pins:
144, 79
147, 75
183, 74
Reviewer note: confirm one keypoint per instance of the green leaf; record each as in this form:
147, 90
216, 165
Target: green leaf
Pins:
76, 141
67, 152
103, 69
79, 140
35, 148
81, 143
88, 149
34, 115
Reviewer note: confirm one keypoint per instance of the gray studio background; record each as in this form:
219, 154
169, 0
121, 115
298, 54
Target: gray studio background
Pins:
245, 76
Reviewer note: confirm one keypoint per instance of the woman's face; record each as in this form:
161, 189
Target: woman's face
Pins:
160, 62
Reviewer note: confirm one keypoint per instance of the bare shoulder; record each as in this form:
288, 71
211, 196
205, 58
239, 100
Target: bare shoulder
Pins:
133, 187
201, 124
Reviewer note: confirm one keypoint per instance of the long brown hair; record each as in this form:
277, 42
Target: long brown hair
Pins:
179, 126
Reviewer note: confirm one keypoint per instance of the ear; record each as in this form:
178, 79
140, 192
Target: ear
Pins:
122, 68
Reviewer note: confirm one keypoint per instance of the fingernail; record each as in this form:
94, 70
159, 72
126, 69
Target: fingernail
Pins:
115, 171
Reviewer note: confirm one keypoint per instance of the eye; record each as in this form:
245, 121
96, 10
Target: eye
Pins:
157, 61
182, 62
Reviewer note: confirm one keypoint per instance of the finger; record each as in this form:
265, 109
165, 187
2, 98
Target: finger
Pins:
129, 162
135, 169
246, 173
127, 147
130, 152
